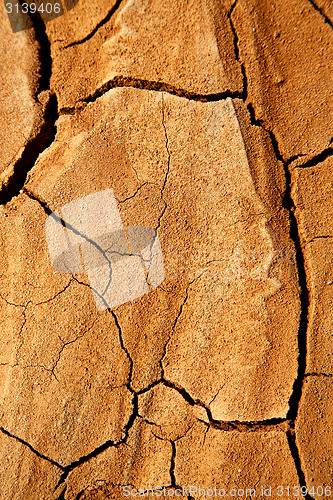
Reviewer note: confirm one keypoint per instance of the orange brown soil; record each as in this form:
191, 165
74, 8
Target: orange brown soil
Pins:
211, 121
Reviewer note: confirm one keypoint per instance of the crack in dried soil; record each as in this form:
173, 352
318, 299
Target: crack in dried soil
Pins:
236, 50
312, 162
67, 469
288, 203
98, 26
40, 455
123, 81
42, 138
66, 344
121, 341
45, 138
175, 323
321, 12
134, 194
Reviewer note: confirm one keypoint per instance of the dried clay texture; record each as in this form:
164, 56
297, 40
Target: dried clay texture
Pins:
209, 122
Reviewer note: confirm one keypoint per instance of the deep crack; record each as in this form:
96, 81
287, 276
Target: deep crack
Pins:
28, 445
67, 469
41, 138
314, 161
236, 49
121, 340
123, 81
172, 464
105, 20
295, 454
321, 12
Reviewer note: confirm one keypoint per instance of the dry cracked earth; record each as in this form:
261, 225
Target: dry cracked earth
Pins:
211, 121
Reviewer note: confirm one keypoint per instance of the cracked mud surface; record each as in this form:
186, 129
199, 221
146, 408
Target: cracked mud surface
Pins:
212, 123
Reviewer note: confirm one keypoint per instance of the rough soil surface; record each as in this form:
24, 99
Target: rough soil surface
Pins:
211, 121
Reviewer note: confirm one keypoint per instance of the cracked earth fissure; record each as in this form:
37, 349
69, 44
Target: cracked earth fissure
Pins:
121, 341
314, 161
28, 445
65, 344
123, 81
45, 135
321, 12
304, 295
295, 454
173, 329
108, 444
243, 95
105, 20
288, 203
173, 464
232, 425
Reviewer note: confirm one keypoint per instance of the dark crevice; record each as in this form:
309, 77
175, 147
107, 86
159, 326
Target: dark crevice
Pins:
149, 387
122, 81
316, 160
245, 426
236, 49
67, 469
98, 26
227, 425
297, 460
128, 385
321, 237
321, 12
62, 494
254, 121
36, 144
181, 391
289, 205
39, 139
172, 464
28, 445
108, 444
42, 203
294, 158
304, 299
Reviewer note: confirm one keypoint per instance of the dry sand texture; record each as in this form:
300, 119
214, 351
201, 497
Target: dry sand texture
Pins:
211, 121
